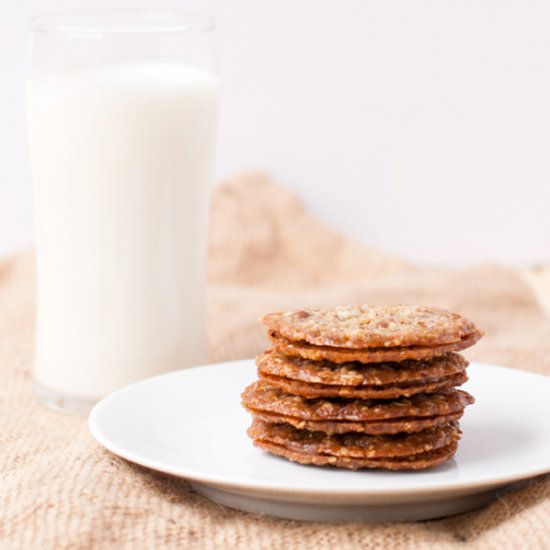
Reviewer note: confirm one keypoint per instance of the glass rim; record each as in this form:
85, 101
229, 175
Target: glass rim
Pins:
146, 20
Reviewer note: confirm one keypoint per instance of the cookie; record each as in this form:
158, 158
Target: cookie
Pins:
367, 355
359, 374
361, 386
375, 427
263, 397
309, 390
355, 445
413, 462
361, 327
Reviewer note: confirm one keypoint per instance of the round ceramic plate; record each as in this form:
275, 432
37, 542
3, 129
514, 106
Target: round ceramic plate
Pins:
191, 424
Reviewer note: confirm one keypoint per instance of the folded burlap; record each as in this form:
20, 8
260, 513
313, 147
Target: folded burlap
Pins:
59, 489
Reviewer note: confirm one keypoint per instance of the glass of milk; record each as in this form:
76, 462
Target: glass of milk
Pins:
122, 110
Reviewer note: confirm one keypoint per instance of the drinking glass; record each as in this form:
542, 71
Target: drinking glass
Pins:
122, 109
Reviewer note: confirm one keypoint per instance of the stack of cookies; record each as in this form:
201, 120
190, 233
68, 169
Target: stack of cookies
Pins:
362, 386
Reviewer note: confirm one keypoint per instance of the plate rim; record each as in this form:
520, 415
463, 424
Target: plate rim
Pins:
267, 486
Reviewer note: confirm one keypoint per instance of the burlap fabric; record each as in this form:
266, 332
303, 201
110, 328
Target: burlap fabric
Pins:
59, 489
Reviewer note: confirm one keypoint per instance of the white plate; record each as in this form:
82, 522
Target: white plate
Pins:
190, 424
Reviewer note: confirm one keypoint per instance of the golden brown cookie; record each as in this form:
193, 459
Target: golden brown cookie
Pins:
359, 374
260, 396
355, 445
309, 390
366, 326
366, 355
373, 427
362, 386
414, 462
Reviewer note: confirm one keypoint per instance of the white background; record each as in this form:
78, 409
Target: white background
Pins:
422, 128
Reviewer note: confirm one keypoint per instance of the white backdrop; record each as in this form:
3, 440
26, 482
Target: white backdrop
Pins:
422, 128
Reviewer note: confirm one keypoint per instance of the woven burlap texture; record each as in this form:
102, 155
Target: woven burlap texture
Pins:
60, 489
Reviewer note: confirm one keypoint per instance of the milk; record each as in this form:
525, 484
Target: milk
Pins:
121, 160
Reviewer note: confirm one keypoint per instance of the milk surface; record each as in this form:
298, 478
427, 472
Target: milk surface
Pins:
121, 160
